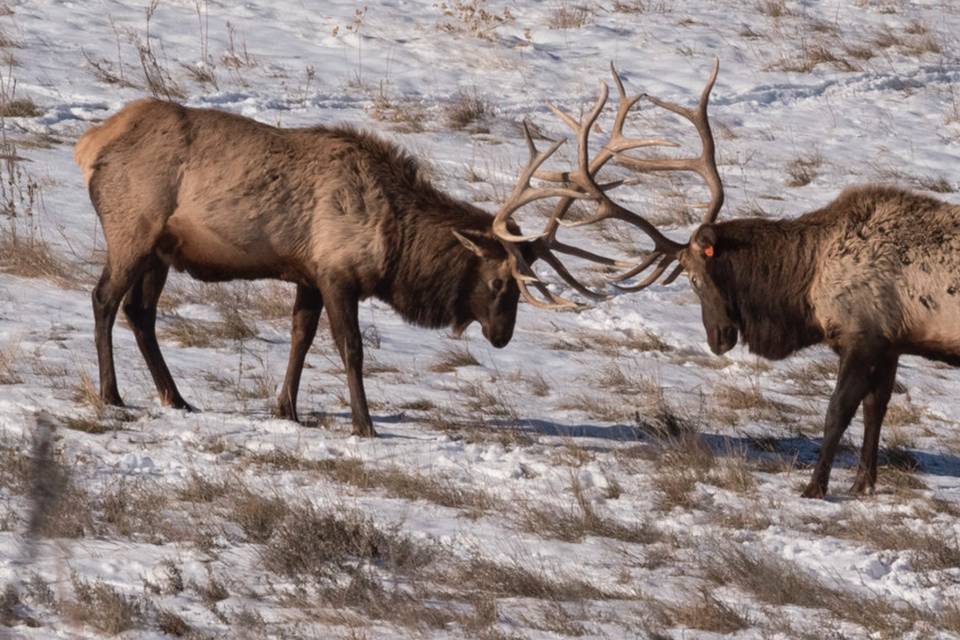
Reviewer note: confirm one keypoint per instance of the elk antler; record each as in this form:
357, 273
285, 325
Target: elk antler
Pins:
580, 184
705, 165
523, 193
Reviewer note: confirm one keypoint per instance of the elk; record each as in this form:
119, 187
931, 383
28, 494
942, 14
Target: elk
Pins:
339, 212
875, 274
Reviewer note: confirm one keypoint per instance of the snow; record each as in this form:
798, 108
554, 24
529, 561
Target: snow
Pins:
535, 420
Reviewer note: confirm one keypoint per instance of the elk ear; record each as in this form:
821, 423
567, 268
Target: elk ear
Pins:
471, 245
705, 240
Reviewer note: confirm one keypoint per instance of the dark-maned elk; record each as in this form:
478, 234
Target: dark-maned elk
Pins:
875, 274
341, 213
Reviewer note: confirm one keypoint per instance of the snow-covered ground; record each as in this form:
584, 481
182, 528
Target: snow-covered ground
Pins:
524, 492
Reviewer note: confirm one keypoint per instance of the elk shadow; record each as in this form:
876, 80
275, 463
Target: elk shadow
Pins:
799, 449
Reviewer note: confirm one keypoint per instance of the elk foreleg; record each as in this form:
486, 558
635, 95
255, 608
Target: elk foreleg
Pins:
140, 309
874, 409
854, 381
345, 327
306, 316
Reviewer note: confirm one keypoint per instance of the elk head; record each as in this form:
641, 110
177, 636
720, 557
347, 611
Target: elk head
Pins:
700, 257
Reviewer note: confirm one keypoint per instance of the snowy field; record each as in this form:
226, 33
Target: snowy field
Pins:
604, 476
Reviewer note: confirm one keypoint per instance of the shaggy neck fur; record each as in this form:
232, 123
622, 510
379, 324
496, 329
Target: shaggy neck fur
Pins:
426, 274
766, 268
432, 274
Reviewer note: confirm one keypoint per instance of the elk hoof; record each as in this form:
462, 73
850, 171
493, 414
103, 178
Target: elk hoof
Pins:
112, 399
364, 431
181, 404
862, 486
286, 412
814, 490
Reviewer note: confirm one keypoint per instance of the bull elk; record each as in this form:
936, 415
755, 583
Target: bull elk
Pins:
875, 274
341, 213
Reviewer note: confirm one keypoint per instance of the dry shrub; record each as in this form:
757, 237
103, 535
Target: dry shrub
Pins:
399, 483
482, 576
803, 170
258, 515
172, 624
313, 547
468, 110
9, 356
205, 334
104, 608
751, 400
569, 16
707, 613
641, 6
471, 17
687, 460
30, 256
406, 114
198, 488
453, 358
573, 524
86, 392
19, 108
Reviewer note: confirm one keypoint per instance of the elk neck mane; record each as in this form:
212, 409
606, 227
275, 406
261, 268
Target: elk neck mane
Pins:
765, 268
427, 273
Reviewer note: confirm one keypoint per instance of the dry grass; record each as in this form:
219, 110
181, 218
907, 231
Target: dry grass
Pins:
311, 546
30, 256
104, 608
686, 460
257, 515
204, 334
641, 6
580, 520
87, 392
19, 108
569, 16
803, 170
9, 356
482, 576
452, 359
729, 400
773, 8
468, 110
705, 612
407, 115
471, 17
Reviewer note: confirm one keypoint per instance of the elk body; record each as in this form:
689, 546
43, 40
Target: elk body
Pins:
340, 213
875, 275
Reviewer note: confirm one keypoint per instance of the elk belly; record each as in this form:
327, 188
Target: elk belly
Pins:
210, 256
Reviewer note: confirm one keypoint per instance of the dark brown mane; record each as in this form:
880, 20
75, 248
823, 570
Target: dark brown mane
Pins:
427, 271
765, 268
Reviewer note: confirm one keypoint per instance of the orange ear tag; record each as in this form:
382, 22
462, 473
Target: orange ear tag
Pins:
708, 251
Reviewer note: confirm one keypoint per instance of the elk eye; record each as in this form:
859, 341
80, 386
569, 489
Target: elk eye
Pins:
496, 284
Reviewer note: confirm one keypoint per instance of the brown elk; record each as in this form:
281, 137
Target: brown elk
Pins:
341, 213
875, 275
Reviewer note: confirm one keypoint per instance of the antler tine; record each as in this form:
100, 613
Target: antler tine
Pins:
705, 164
523, 193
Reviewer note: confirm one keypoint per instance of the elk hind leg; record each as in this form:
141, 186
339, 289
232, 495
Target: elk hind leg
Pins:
306, 316
140, 309
116, 279
874, 409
